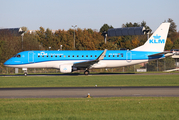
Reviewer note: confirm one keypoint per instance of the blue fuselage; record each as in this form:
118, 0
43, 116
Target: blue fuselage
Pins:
32, 57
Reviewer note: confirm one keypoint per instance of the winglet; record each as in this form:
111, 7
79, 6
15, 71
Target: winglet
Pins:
101, 57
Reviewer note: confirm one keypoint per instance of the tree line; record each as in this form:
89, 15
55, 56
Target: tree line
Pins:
85, 39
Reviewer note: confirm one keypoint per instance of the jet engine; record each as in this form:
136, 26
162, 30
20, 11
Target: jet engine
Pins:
67, 68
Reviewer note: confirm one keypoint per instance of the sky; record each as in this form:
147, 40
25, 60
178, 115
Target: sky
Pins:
62, 14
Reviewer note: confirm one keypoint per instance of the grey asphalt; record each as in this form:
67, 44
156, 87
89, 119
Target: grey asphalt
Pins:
82, 92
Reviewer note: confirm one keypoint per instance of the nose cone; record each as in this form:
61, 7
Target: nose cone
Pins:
7, 62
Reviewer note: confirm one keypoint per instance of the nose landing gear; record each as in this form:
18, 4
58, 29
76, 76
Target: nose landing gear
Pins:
25, 71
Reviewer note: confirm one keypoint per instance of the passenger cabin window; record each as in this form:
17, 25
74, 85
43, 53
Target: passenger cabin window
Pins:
60, 56
55, 55
73, 56
77, 55
109, 56
86, 55
47, 55
121, 54
117, 55
68, 55
82, 55
91, 56
38, 55
95, 55
51, 55
42, 55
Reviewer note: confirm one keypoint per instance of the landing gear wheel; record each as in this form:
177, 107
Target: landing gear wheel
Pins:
86, 72
25, 74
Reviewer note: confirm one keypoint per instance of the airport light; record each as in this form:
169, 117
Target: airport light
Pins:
74, 26
147, 31
22, 39
22, 34
105, 36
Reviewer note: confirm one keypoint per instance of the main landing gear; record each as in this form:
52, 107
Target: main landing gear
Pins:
86, 72
25, 71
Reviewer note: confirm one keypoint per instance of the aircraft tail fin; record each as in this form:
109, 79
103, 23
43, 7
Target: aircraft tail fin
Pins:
157, 41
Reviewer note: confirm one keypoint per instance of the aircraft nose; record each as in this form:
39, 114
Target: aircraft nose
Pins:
7, 62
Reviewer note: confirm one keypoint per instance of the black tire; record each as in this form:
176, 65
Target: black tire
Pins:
86, 72
25, 74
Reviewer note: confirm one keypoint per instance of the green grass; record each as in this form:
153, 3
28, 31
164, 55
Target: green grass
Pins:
90, 81
128, 108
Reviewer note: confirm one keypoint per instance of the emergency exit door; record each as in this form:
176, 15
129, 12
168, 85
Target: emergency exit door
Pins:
31, 57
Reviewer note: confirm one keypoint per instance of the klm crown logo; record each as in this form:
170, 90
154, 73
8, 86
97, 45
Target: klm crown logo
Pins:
156, 40
65, 69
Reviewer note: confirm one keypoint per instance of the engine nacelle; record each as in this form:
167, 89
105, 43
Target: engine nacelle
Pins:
65, 68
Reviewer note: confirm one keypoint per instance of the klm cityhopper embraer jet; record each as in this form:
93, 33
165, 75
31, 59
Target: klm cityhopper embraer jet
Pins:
68, 61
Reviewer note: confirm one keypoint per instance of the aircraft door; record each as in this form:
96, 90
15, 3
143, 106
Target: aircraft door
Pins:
31, 57
128, 56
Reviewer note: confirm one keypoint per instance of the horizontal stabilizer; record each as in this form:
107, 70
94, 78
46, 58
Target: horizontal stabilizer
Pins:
162, 53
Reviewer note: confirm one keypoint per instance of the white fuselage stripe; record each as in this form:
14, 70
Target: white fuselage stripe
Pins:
100, 64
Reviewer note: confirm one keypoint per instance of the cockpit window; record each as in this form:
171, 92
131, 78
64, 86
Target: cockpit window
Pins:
17, 55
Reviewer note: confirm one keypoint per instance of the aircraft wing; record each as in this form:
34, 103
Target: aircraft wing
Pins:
87, 64
167, 54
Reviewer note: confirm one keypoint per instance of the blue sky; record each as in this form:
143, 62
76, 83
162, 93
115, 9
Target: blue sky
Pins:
62, 14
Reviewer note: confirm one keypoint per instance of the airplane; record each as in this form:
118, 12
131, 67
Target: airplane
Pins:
68, 61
